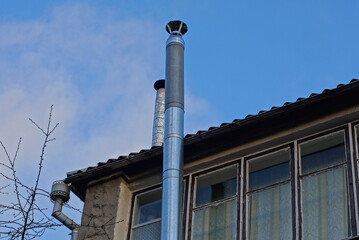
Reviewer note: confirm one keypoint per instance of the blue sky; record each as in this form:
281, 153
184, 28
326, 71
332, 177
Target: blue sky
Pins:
96, 62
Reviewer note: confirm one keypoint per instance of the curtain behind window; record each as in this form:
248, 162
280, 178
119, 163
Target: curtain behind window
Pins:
324, 194
324, 205
270, 214
269, 198
216, 222
215, 210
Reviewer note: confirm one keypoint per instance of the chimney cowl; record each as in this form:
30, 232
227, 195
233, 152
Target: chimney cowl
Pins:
159, 84
176, 27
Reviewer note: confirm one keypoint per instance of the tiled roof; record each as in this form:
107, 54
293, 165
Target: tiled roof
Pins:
125, 160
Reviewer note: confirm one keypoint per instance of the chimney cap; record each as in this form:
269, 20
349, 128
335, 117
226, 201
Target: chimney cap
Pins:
159, 84
176, 27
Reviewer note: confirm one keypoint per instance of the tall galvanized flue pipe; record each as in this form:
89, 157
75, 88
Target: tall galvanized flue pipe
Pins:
173, 140
159, 115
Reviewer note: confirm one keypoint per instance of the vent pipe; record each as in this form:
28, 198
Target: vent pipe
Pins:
60, 194
159, 116
173, 139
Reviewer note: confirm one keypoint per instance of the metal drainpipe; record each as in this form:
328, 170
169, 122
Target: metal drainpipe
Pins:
60, 194
173, 140
159, 115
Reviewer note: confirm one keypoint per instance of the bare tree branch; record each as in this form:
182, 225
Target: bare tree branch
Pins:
26, 220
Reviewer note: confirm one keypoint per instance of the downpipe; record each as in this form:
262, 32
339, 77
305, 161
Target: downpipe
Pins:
60, 194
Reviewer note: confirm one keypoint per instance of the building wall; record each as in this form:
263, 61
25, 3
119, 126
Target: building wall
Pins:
106, 211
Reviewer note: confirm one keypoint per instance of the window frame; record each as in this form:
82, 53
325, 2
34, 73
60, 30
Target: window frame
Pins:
291, 179
352, 225
192, 194
135, 195
355, 135
354, 155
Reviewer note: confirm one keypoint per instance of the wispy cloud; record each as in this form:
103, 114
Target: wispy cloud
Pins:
97, 70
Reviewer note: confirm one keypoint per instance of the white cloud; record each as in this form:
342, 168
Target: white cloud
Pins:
98, 72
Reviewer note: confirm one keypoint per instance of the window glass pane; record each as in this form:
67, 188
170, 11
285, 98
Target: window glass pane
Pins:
150, 211
147, 216
216, 222
270, 213
324, 205
269, 169
216, 185
151, 231
148, 206
322, 152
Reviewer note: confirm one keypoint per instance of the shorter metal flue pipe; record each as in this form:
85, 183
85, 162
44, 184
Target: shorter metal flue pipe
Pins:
159, 115
60, 194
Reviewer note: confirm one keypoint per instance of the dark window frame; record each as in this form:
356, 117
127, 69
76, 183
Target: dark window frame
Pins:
349, 185
246, 159
355, 156
192, 194
355, 140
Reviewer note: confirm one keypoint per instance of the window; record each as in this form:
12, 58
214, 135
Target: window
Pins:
147, 216
324, 188
268, 196
215, 205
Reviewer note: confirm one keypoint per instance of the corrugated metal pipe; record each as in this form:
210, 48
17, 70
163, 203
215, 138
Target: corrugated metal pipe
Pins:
159, 115
60, 194
171, 228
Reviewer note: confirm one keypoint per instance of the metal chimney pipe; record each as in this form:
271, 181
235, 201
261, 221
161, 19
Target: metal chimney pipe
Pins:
159, 116
173, 139
60, 194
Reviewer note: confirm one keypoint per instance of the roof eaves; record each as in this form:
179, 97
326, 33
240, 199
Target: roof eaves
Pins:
112, 164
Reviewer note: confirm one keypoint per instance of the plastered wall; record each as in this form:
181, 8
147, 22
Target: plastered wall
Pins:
106, 211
